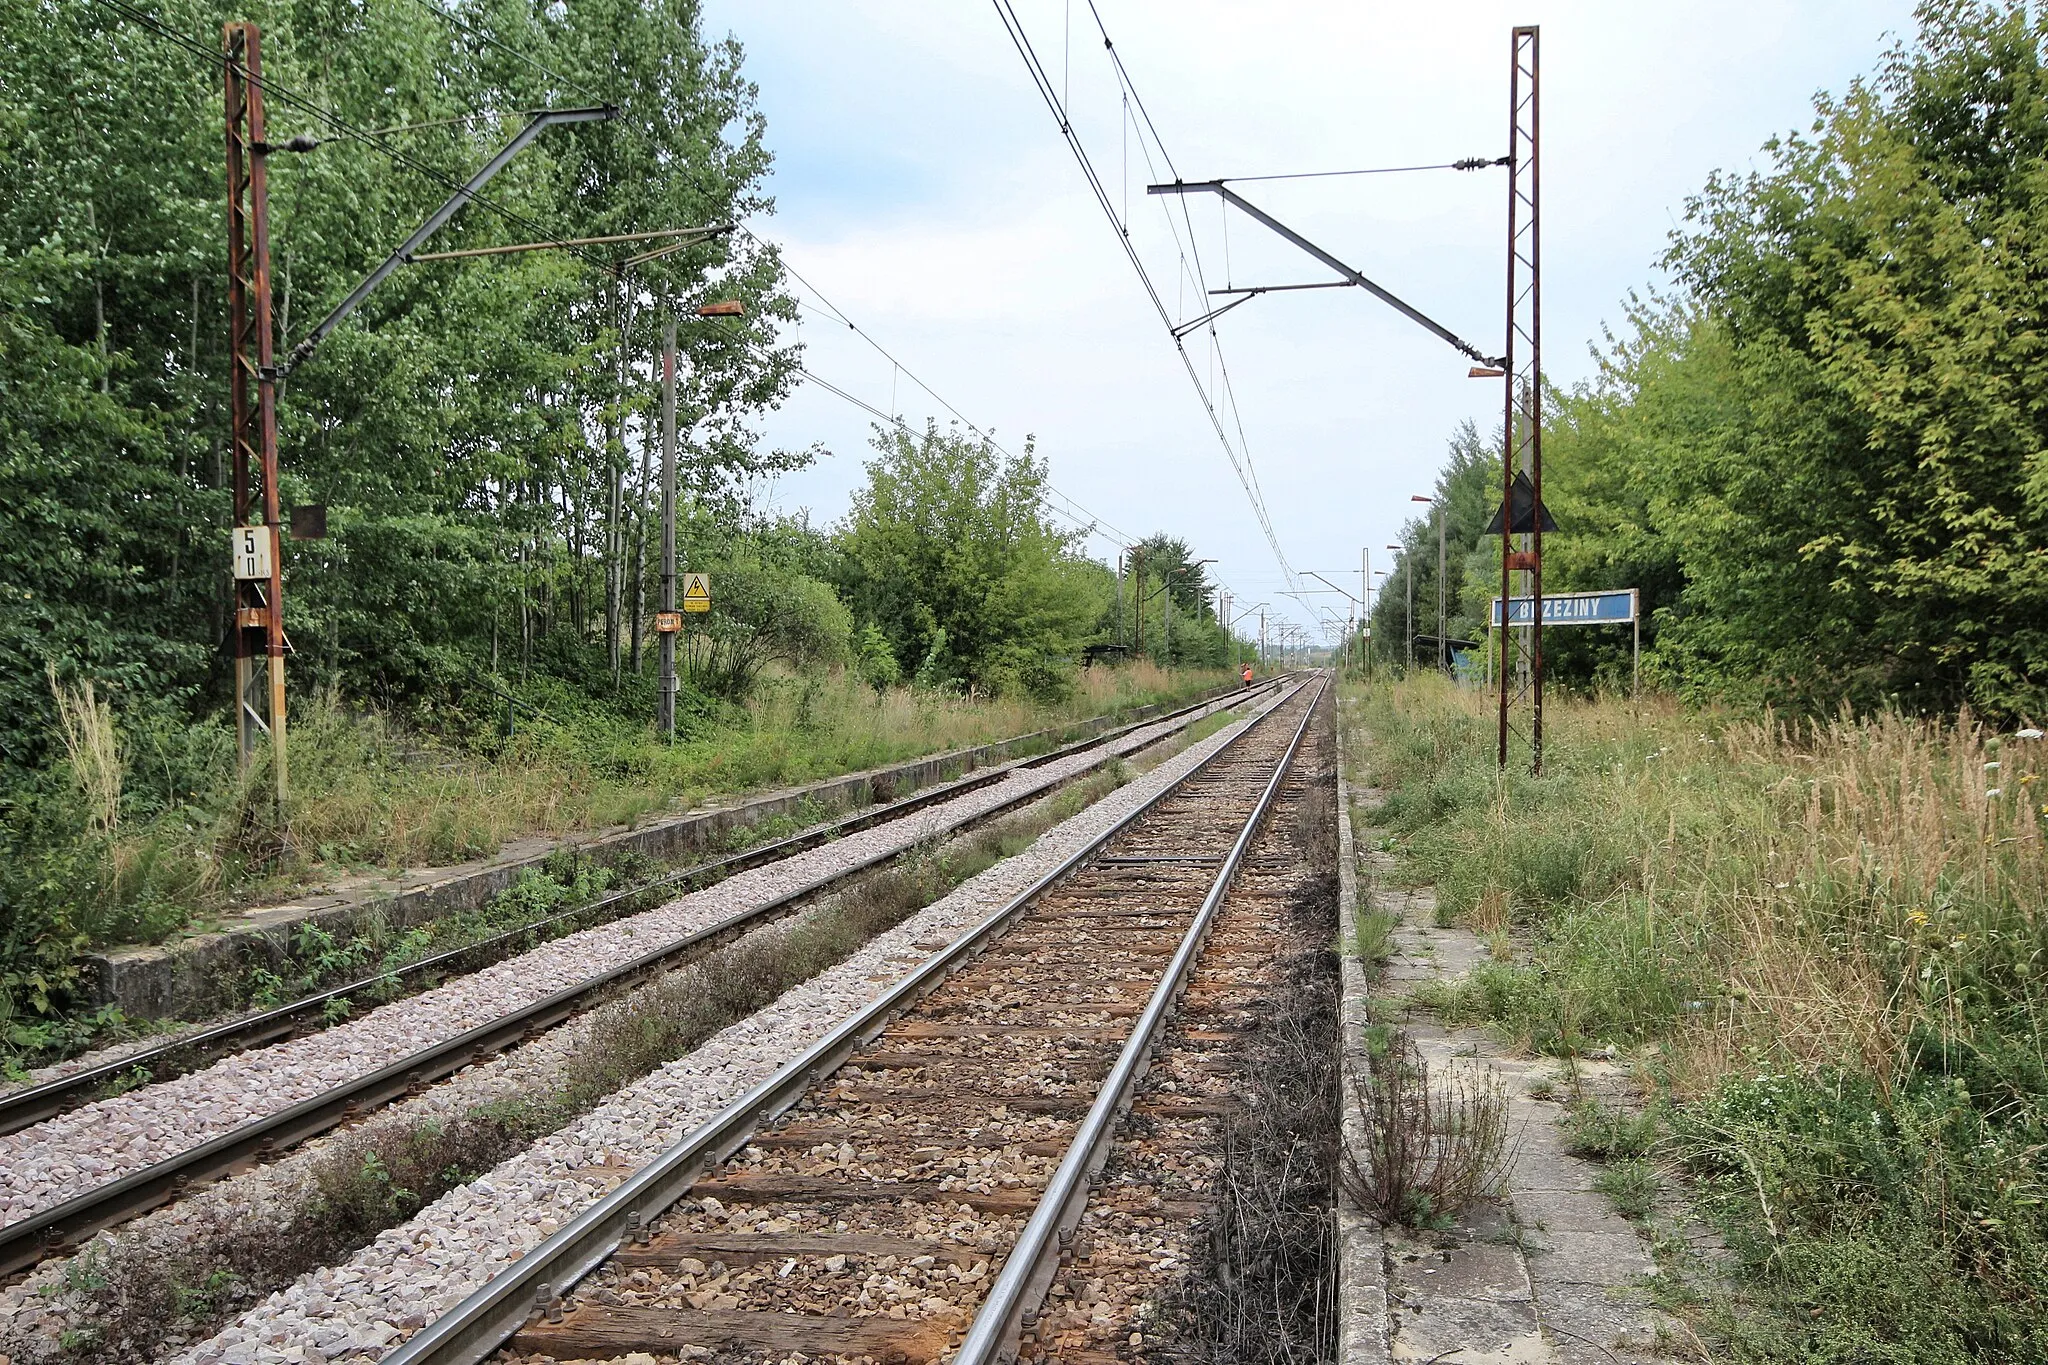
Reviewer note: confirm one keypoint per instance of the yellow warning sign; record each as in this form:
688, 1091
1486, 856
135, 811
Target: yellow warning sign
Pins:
696, 592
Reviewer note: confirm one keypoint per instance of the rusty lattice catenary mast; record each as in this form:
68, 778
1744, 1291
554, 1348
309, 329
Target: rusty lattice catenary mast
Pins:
252, 413
1521, 664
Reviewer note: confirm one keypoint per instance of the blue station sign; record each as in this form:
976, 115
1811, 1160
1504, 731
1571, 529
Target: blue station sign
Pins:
1616, 608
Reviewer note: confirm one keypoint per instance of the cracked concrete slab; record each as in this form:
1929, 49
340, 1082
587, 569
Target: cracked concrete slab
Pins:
1463, 1271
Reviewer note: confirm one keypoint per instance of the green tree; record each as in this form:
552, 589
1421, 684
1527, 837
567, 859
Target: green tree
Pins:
1854, 469
949, 552
1468, 488
468, 428
1823, 461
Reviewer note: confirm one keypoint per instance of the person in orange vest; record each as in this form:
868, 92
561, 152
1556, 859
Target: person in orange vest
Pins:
1247, 675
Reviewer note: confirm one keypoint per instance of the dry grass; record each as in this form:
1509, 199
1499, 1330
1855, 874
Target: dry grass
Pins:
1265, 1294
1436, 1142
367, 792
1817, 893
85, 724
1823, 940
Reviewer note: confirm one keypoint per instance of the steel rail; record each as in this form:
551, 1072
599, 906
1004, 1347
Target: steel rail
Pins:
48, 1232
475, 1328
1033, 1260
35, 1104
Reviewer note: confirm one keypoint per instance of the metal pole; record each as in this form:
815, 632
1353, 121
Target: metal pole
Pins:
615, 477
666, 717
1522, 383
640, 538
1120, 597
1534, 415
1262, 637
1166, 588
1408, 619
1443, 648
1138, 597
259, 603
1635, 670
542, 121
1365, 597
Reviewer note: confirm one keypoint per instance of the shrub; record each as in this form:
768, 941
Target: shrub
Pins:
1435, 1143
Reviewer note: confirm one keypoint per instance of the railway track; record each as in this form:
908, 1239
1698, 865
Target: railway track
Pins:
53, 1230
907, 1189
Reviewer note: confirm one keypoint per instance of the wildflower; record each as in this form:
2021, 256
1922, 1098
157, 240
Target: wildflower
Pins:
2030, 779
1995, 791
2029, 733
1991, 767
1917, 916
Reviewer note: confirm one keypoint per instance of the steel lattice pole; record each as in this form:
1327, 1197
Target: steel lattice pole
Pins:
252, 403
1522, 426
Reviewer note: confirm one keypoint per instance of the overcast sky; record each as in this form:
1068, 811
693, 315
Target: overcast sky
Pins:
922, 186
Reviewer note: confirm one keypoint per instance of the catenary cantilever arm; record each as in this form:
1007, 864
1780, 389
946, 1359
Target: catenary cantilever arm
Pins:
545, 119
1251, 210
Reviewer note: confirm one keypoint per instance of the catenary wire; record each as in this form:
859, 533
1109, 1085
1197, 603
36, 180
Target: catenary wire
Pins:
1249, 471
838, 315
1130, 92
1470, 163
1074, 512
1041, 80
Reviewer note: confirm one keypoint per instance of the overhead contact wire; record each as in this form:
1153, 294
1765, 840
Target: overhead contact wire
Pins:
1041, 80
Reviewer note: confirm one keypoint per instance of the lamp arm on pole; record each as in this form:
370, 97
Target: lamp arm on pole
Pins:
1259, 215
435, 221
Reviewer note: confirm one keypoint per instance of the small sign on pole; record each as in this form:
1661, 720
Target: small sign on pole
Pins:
1619, 607
668, 622
251, 550
696, 592
1616, 608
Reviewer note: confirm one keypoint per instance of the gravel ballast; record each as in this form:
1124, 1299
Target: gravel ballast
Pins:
51, 1162
357, 1310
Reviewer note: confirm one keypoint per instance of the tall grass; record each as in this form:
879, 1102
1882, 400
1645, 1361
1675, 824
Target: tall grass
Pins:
1828, 935
85, 725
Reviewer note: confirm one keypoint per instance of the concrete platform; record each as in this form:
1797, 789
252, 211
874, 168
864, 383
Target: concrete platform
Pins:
1550, 1272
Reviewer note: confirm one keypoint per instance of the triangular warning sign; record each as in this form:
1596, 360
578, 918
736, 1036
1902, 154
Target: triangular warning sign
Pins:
696, 592
1524, 498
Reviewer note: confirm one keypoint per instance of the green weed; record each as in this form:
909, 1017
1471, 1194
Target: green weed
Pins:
1372, 938
1631, 1186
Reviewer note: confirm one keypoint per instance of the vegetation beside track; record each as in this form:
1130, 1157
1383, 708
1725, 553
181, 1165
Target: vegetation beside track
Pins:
1820, 946
1813, 446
